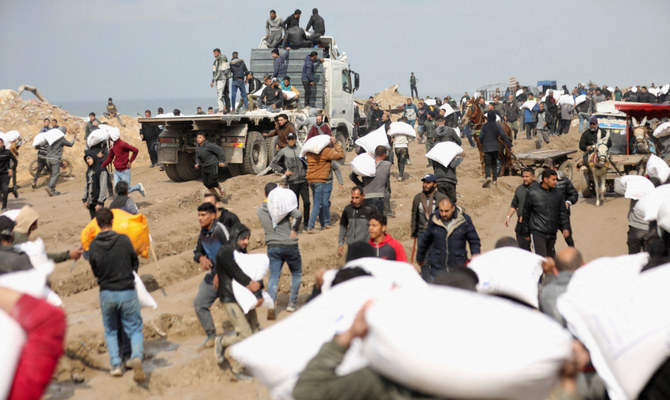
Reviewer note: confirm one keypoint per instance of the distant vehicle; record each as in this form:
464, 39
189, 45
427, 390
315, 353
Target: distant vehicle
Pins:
241, 135
543, 86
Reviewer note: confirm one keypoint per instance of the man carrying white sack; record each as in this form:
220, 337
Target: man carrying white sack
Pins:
227, 271
567, 262
375, 186
320, 381
282, 242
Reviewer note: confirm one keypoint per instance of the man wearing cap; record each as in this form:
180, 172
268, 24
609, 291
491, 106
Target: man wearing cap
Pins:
272, 98
273, 30
279, 67
591, 137
287, 161
308, 70
220, 75
424, 205
282, 128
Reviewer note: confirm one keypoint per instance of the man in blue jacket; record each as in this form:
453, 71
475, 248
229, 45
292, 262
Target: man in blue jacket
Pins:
442, 244
530, 118
279, 67
308, 70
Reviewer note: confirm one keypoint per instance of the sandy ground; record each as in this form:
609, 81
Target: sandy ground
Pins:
172, 333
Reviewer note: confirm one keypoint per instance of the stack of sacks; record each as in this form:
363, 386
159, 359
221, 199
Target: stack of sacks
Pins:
620, 315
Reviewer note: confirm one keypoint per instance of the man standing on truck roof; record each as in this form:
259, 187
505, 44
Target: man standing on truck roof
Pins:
319, 25
208, 158
293, 20
239, 70
220, 75
279, 69
282, 128
273, 30
272, 98
308, 70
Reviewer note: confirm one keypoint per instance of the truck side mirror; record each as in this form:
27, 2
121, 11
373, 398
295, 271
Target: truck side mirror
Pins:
357, 80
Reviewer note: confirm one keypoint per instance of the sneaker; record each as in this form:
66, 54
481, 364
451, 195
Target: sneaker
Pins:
55, 192
487, 183
495, 183
49, 191
16, 192
152, 165
219, 350
138, 371
116, 370
33, 185
142, 192
311, 231
238, 376
208, 343
271, 314
291, 308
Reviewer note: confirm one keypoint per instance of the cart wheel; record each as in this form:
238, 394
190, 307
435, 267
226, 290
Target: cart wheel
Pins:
567, 169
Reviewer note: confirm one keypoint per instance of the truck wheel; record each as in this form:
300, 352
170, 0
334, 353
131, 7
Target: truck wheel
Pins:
566, 168
185, 168
255, 154
172, 173
271, 144
235, 169
343, 142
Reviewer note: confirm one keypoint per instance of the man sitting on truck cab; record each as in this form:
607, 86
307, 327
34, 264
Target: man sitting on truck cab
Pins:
272, 98
282, 128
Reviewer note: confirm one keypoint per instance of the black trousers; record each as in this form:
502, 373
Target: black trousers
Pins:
530, 129
302, 190
448, 189
41, 165
543, 244
563, 126
491, 164
637, 240
308, 92
152, 145
402, 155
413, 91
4, 188
521, 240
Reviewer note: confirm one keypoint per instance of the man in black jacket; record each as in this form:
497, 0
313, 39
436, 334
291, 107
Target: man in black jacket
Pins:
544, 213
272, 98
518, 201
354, 221
208, 158
239, 71
113, 261
227, 271
424, 205
7, 169
225, 216
319, 25
149, 134
254, 86
569, 192
591, 137
292, 20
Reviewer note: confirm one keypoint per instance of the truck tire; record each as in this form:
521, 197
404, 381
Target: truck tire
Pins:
255, 154
172, 172
235, 169
341, 139
185, 168
271, 144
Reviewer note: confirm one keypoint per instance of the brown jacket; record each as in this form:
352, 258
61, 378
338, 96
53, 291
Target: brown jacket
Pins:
318, 165
282, 132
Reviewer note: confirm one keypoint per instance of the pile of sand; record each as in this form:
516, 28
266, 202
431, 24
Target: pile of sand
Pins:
27, 116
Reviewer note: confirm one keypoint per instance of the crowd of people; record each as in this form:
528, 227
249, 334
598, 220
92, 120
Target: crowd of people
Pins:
445, 236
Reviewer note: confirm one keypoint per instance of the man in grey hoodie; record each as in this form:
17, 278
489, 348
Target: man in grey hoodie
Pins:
288, 162
54, 155
282, 242
273, 30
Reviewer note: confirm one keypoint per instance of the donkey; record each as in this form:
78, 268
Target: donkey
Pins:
643, 143
598, 165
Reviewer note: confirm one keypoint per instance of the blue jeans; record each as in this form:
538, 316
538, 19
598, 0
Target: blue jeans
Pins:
203, 301
325, 210
320, 199
421, 129
277, 256
239, 84
125, 176
468, 134
377, 203
123, 305
583, 121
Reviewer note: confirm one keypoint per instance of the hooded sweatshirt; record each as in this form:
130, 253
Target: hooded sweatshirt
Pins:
228, 270
389, 249
113, 261
95, 191
280, 236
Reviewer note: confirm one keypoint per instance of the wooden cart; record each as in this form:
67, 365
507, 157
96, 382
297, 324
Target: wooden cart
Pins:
535, 159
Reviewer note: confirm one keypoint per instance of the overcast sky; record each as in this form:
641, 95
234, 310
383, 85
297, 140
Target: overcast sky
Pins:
153, 49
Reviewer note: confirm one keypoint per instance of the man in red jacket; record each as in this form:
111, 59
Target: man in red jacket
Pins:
385, 246
320, 128
118, 155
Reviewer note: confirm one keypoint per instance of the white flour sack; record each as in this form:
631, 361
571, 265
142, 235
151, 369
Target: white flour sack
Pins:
279, 353
143, 295
364, 165
281, 202
444, 152
651, 203
315, 145
626, 331
657, 168
475, 347
373, 139
636, 186
97, 136
509, 271
403, 128
397, 273
256, 266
